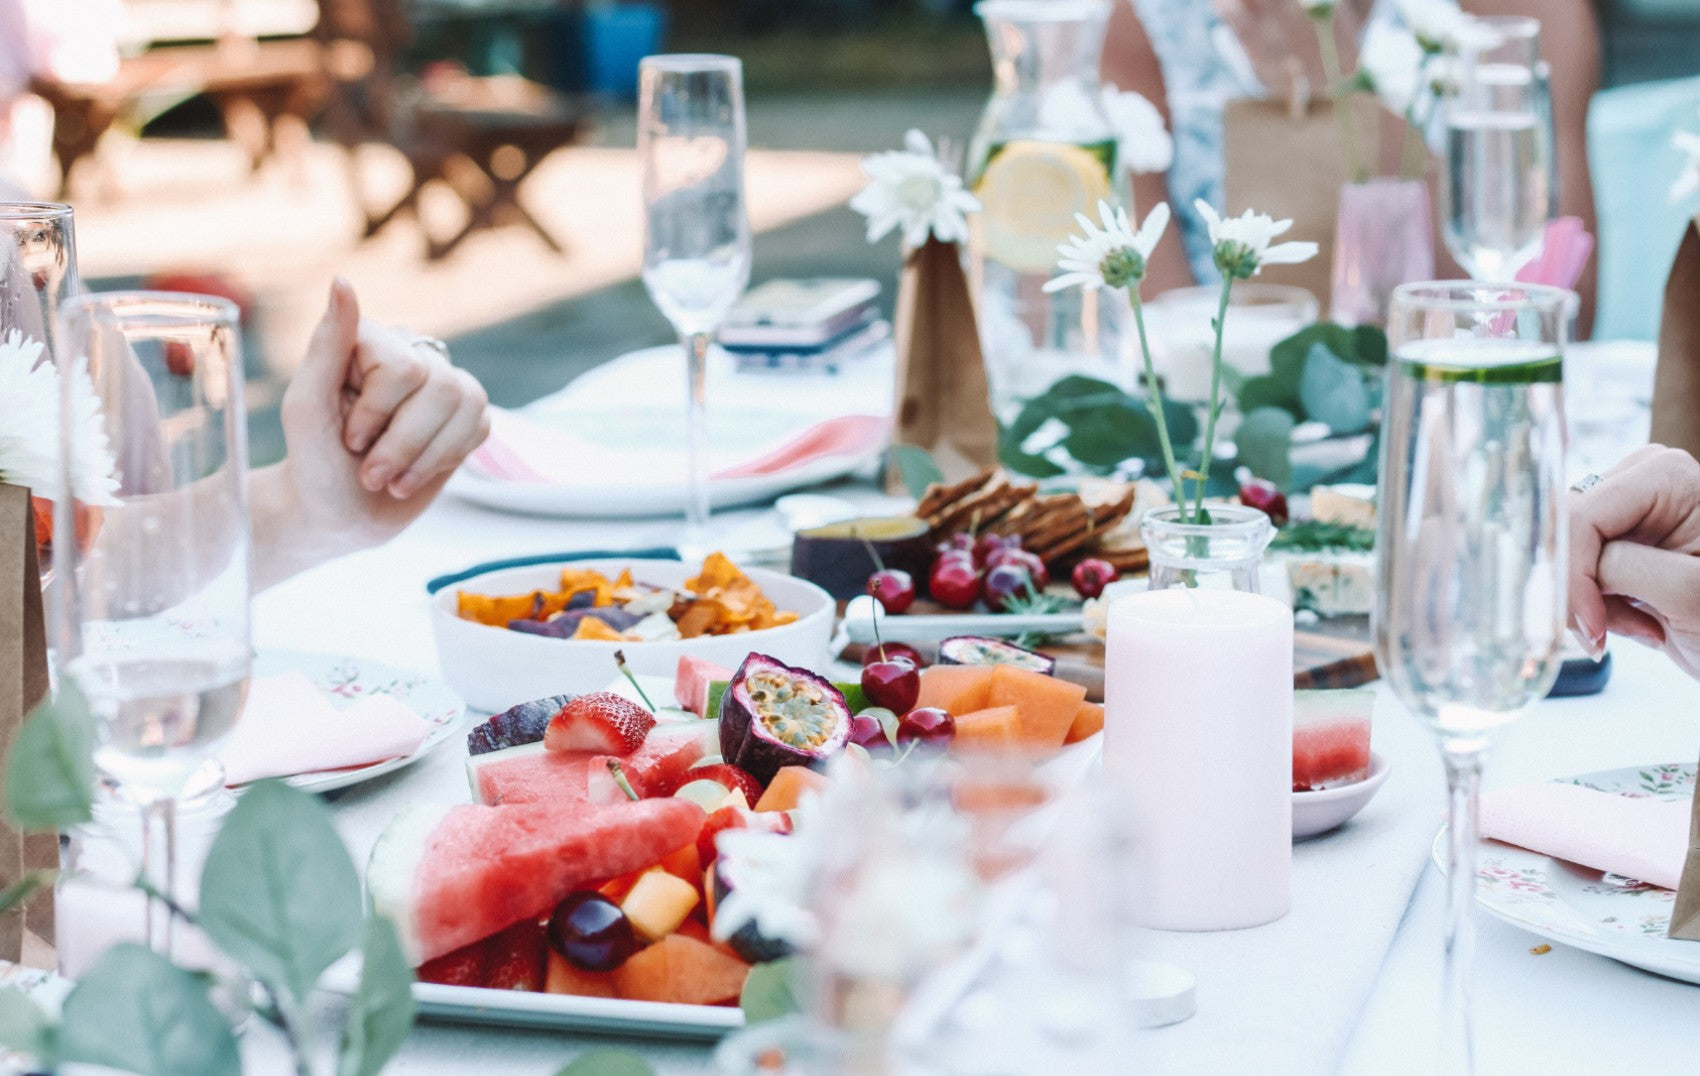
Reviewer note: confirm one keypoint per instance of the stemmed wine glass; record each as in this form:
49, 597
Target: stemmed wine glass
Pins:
696, 239
1500, 188
152, 599
1470, 590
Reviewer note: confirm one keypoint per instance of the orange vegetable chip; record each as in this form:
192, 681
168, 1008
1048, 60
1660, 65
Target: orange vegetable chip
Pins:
595, 628
703, 617
498, 610
579, 580
717, 572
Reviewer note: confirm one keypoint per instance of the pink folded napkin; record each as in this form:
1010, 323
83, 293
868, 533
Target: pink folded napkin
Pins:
522, 450
289, 726
1564, 254
1636, 836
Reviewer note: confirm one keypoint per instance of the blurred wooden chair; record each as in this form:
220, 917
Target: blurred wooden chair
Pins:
478, 136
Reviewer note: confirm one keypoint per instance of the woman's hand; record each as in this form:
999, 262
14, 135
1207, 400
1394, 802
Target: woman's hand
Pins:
1635, 555
375, 421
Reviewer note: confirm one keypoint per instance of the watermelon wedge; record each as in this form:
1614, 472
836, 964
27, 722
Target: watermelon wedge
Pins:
531, 774
690, 682
449, 876
1331, 732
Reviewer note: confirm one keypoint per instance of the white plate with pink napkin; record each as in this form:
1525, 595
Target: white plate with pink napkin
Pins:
325, 721
1611, 845
612, 443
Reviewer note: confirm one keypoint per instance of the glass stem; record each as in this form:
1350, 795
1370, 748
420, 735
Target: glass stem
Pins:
696, 430
159, 867
1463, 786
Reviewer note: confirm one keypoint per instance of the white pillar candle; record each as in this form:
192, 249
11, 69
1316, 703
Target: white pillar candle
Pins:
1198, 727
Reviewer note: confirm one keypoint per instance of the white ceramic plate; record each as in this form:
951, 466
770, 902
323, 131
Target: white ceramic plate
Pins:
347, 680
494, 668
1318, 812
1599, 913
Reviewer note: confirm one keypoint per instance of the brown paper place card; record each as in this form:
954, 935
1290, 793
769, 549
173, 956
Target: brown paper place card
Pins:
1676, 382
1685, 915
23, 683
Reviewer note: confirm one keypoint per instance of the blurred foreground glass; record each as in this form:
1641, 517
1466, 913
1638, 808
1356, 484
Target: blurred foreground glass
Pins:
696, 237
1470, 596
152, 603
1500, 188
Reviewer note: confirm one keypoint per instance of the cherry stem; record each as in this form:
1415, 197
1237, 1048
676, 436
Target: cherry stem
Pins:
620, 660
619, 774
873, 554
879, 644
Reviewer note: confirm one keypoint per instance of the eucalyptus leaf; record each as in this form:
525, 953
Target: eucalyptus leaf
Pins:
1263, 442
134, 1010
1108, 436
607, 1062
916, 468
1333, 392
381, 1013
770, 991
50, 771
26, 1027
1270, 391
14, 895
279, 892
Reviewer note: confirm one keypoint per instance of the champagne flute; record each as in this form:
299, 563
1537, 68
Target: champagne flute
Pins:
152, 599
1470, 590
1500, 187
696, 237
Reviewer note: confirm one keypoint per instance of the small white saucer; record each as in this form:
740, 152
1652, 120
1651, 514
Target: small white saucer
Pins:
1319, 812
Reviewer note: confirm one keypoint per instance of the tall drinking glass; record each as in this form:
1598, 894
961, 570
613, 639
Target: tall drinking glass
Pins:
696, 236
152, 602
1470, 595
1500, 187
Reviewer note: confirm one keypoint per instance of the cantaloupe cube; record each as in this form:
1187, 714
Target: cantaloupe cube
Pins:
685, 863
683, 971
615, 889
1047, 705
658, 903
997, 729
787, 788
955, 689
565, 978
1088, 721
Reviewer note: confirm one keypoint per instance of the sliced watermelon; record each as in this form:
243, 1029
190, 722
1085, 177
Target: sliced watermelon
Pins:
690, 683
449, 876
532, 774
511, 959
1331, 737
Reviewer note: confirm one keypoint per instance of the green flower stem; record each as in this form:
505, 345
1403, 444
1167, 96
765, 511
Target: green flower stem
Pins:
1154, 399
1208, 451
1342, 113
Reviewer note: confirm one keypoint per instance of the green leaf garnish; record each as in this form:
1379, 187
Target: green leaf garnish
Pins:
381, 1013
26, 1027
136, 1011
607, 1062
1310, 536
770, 991
916, 468
50, 772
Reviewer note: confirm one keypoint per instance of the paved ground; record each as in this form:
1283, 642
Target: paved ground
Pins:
523, 319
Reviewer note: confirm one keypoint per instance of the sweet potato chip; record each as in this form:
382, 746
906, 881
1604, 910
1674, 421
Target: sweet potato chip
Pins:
498, 610
578, 580
704, 617
594, 628
717, 572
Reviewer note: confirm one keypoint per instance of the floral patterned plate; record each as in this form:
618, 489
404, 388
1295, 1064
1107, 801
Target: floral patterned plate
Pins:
1599, 913
347, 680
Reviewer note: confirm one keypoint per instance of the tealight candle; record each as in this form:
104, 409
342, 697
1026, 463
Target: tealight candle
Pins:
1198, 725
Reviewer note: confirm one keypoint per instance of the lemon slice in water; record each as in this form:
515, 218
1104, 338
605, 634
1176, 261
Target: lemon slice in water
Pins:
1030, 192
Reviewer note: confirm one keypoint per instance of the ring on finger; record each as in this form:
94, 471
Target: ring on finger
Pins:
1586, 483
431, 343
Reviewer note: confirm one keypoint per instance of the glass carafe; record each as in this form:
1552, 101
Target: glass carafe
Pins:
1044, 151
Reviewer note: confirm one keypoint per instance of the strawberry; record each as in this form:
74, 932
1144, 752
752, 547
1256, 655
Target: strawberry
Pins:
512, 959
722, 773
602, 722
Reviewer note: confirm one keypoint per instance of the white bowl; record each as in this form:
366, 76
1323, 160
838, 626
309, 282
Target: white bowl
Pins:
495, 668
1319, 812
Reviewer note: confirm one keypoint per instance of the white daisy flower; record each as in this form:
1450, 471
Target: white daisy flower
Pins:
1440, 25
1242, 243
771, 878
1391, 63
1688, 181
1111, 256
29, 426
913, 190
1142, 142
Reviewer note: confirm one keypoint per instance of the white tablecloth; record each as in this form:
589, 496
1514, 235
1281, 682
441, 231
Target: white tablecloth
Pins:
1346, 982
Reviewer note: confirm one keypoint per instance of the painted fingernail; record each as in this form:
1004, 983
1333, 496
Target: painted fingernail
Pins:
377, 477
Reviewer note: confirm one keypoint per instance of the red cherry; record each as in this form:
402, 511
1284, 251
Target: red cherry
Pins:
1092, 575
1026, 559
959, 542
929, 725
1005, 583
954, 583
868, 732
893, 651
989, 545
1263, 494
893, 684
893, 589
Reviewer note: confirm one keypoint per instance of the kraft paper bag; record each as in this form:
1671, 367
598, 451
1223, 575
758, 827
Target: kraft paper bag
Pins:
1287, 159
23, 683
1676, 382
943, 402
1685, 916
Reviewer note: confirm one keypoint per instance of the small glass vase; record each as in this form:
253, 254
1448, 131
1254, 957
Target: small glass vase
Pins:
1383, 237
1223, 554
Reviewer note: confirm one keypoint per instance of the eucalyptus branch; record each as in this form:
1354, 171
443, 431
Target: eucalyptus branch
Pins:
148, 889
1208, 451
1331, 70
280, 1013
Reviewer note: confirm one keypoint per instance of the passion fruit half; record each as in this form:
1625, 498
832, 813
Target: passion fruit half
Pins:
985, 650
773, 715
